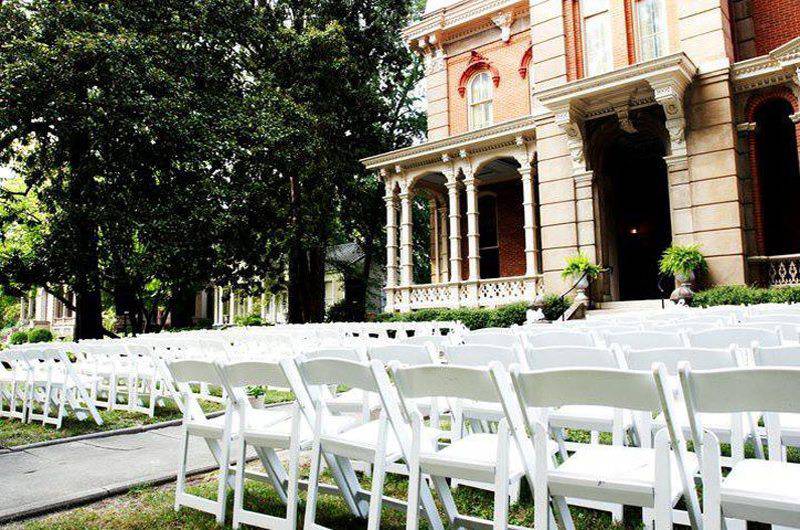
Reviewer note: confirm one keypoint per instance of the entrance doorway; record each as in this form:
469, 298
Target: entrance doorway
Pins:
635, 214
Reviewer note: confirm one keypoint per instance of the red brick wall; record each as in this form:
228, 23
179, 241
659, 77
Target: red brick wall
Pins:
510, 229
775, 22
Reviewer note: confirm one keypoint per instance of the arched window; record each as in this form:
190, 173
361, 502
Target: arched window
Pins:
488, 240
777, 178
479, 99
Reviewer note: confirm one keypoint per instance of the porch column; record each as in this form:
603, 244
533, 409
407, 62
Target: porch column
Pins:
391, 238
584, 205
473, 235
232, 307
406, 263
529, 209
433, 212
443, 254
23, 306
455, 230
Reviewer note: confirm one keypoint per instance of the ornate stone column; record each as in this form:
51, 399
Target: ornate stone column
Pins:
444, 255
391, 245
406, 263
433, 212
232, 307
473, 233
454, 209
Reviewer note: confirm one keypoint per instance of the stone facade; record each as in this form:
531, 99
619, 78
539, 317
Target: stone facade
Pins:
662, 143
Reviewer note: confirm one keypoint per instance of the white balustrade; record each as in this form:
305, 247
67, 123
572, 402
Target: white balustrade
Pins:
782, 271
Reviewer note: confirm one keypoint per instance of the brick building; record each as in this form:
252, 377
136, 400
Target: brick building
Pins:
608, 127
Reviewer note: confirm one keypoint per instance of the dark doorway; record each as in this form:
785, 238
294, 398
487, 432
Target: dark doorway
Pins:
636, 215
779, 177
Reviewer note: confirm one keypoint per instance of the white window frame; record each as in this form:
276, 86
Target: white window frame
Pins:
585, 15
471, 104
664, 31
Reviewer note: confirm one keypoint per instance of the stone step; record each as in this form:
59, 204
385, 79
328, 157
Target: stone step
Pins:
624, 307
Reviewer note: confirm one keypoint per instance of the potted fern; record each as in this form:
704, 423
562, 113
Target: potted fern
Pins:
580, 269
256, 396
682, 262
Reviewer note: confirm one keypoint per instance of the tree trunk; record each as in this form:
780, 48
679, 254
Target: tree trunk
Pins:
88, 314
182, 309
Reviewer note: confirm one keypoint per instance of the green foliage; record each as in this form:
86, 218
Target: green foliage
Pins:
256, 391
248, 320
501, 317
39, 335
745, 295
682, 260
344, 311
578, 265
18, 337
555, 306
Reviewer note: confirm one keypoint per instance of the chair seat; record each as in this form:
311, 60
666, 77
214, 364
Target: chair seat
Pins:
473, 457
278, 435
588, 417
352, 401
257, 420
614, 473
763, 490
361, 442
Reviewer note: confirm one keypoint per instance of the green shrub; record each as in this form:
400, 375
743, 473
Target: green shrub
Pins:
39, 335
248, 320
745, 295
472, 318
555, 306
18, 337
682, 260
343, 311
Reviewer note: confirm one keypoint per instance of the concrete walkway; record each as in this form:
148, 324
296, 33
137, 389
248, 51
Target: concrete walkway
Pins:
44, 479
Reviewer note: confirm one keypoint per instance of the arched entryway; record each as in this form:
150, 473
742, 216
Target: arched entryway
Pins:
776, 178
633, 211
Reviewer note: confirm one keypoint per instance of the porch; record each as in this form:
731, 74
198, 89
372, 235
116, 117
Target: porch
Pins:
489, 292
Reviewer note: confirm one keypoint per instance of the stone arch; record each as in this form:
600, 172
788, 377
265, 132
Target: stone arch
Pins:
477, 63
525, 63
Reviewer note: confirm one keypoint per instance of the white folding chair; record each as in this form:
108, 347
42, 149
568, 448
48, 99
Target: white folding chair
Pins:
505, 340
785, 432
477, 457
654, 479
766, 491
350, 400
742, 337
734, 430
559, 338
373, 442
644, 340
267, 432
14, 385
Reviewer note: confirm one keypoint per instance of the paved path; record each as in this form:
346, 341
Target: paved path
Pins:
58, 476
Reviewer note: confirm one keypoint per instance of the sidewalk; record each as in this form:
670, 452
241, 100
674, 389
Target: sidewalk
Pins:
44, 479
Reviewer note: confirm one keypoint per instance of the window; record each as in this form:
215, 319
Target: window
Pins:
597, 41
487, 229
652, 29
480, 101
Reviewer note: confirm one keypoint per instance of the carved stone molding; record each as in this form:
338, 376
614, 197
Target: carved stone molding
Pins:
623, 116
780, 66
503, 20
570, 121
670, 96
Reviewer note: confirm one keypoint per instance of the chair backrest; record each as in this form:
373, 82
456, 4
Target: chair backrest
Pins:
703, 358
787, 329
777, 356
624, 389
741, 337
348, 354
492, 331
445, 381
333, 371
560, 338
780, 318
254, 373
571, 357
760, 389
506, 340
438, 341
408, 354
685, 327
481, 355
643, 340
192, 371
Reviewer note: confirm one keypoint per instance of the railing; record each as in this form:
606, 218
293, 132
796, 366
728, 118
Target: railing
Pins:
488, 292
779, 271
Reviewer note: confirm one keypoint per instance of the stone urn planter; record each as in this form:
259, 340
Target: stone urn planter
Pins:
683, 293
257, 402
580, 290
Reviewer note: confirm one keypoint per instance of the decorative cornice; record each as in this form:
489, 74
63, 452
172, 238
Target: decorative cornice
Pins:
596, 94
457, 15
777, 67
486, 138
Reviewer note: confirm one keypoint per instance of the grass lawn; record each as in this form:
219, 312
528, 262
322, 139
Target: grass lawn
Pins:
15, 432
153, 508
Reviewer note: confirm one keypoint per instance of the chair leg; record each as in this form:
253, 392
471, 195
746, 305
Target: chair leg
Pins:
238, 492
292, 497
501, 479
712, 478
180, 485
541, 495
222, 487
414, 478
313, 487
376, 495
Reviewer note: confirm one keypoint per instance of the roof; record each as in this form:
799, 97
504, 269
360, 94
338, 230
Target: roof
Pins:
344, 254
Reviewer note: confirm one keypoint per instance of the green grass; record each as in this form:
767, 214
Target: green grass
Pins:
153, 508
15, 432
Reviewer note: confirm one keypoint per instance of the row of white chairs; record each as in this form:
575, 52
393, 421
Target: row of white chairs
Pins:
528, 403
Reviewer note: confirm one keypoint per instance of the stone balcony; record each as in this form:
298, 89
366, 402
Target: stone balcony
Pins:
778, 271
469, 293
